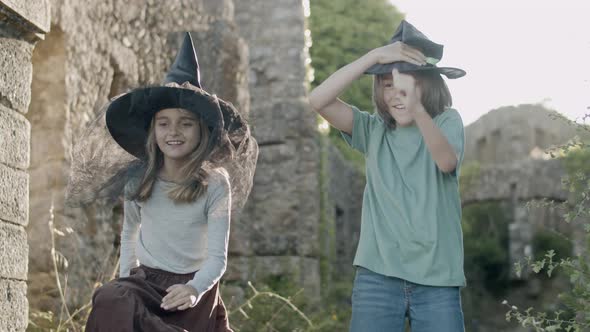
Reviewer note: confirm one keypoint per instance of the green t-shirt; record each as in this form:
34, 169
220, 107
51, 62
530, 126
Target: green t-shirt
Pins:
411, 215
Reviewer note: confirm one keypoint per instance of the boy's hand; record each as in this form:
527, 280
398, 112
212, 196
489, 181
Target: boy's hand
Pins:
408, 93
398, 51
180, 297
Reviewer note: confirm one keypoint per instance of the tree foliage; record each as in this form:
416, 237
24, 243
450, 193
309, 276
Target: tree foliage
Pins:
575, 157
344, 30
485, 236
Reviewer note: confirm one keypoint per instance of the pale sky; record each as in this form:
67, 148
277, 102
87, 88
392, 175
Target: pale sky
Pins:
514, 51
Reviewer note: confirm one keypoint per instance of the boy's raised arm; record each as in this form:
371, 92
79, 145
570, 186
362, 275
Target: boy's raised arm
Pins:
324, 98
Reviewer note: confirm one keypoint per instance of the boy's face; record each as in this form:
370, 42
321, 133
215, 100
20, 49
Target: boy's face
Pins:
177, 132
398, 92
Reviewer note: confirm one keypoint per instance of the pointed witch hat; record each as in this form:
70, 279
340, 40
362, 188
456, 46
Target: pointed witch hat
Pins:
408, 34
128, 117
112, 150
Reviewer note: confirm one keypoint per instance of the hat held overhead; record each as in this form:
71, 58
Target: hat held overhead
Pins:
408, 34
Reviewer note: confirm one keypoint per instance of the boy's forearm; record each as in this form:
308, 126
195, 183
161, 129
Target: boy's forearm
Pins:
334, 85
440, 149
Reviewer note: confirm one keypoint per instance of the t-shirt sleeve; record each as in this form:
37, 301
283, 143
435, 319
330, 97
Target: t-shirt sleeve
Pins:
452, 128
361, 129
218, 224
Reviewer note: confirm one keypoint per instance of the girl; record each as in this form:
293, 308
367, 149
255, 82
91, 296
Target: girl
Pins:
178, 203
410, 255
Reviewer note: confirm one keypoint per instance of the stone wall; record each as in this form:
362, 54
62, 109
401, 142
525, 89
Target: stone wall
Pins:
344, 206
511, 133
21, 25
252, 53
522, 184
522, 180
277, 235
98, 50
509, 144
94, 52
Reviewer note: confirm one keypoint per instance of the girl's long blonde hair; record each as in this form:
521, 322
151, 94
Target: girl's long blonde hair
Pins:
194, 174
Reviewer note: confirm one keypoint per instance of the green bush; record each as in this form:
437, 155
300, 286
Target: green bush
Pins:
353, 156
552, 251
469, 174
485, 236
344, 30
545, 240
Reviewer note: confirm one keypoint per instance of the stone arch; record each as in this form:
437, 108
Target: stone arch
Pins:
48, 116
524, 185
481, 148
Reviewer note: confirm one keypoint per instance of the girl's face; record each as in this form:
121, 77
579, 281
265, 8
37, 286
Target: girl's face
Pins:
396, 99
177, 132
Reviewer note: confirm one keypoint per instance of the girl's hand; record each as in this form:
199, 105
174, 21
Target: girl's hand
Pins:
398, 51
180, 297
408, 93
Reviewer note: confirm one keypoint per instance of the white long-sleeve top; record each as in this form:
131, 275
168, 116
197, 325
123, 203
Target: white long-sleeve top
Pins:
180, 237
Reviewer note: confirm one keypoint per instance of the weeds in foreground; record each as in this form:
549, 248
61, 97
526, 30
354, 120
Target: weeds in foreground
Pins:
262, 310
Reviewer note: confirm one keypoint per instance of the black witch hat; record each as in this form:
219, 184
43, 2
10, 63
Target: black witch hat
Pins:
408, 34
129, 116
112, 150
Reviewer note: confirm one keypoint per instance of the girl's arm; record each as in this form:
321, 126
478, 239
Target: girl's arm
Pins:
324, 98
218, 222
129, 234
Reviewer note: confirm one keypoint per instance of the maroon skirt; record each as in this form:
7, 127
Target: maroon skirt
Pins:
133, 304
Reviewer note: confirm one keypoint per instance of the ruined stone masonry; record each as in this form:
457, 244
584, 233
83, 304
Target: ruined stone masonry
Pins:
22, 24
509, 144
513, 133
280, 235
62, 60
94, 52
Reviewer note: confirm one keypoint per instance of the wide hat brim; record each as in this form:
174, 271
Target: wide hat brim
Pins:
409, 35
405, 67
128, 117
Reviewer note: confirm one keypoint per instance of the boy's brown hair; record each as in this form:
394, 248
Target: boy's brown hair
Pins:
435, 94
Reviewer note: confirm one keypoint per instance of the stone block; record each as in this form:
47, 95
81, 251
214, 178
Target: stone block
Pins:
512, 133
39, 252
344, 205
240, 242
275, 121
302, 271
16, 73
14, 307
14, 195
14, 251
32, 13
14, 139
225, 66
41, 291
232, 295
238, 268
270, 222
46, 176
218, 8
523, 180
277, 67
282, 214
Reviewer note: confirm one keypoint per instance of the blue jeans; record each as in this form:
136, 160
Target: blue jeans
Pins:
381, 303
